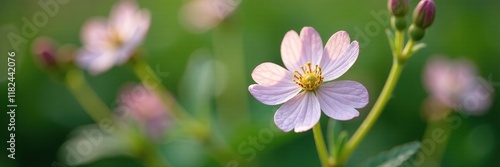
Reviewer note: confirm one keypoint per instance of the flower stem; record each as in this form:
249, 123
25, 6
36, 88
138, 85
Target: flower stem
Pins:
398, 42
86, 96
377, 109
320, 145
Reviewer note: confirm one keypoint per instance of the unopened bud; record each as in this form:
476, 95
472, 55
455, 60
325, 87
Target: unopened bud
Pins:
424, 13
398, 23
416, 33
45, 52
398, 7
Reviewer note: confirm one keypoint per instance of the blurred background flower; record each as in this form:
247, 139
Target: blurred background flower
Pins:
113, 41
457, 85
144, 107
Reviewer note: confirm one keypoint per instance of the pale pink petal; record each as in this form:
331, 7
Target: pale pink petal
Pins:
312, 46
339, 99
336, 65
439, 80
477, 98
95, 34
300, 113
268, 74
291, 50
334, 48
273, 95
96, 63
123, 18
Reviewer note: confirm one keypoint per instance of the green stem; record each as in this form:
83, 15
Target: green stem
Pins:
408, 48
86, 96
377, 109
398, 42
320, 145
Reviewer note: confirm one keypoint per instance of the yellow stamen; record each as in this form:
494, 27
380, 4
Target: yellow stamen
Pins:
310, 78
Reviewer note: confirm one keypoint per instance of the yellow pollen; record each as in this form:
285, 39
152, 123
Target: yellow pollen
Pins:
310, 78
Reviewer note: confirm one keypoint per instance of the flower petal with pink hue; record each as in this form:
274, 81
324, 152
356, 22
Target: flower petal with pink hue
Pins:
95, 34
268, 74
300, 113
96, 63
334, 48
339, 99
291, 50
273, 95
312, 46
338, 58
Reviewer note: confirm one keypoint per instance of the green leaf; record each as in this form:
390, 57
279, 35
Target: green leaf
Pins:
336, 138
394, 157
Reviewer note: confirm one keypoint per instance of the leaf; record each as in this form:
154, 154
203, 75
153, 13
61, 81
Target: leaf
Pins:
336, 138
394, 157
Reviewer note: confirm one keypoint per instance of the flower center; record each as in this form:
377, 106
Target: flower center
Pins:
310, 78
115, 39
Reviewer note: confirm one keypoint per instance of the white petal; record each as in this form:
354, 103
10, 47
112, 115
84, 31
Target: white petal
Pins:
312, 46
338, 55
95, 34
268, 74
273, 95
300, 113
338, 99
291, 50
95, 62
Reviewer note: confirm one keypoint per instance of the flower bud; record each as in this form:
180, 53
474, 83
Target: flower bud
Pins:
416, 33
45, 52
398, 23
398, 7
424, 13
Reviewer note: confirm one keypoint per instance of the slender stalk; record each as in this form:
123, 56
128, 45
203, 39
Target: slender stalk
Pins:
398, 42
408, 48
377, 109
320, 145
86, 96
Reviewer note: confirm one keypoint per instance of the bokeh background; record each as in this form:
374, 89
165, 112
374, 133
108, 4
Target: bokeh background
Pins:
47, 112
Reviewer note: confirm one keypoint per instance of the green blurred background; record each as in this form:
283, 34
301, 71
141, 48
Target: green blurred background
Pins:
47, 112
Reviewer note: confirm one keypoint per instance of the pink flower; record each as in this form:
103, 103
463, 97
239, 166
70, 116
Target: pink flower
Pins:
202, 15
456, 85
305, 87
113, 41
145, 108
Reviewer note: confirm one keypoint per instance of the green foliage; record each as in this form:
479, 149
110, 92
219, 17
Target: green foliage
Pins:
394, 157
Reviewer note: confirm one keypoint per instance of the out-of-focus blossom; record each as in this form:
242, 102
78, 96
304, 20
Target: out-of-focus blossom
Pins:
146, 108
456, 84
305, 87
398, 7
52, 57
111, 42
45, 52
202, 15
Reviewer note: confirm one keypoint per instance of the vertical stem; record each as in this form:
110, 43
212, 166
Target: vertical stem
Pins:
398, 42
434, 127
86, 96
320, 145
377, 109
